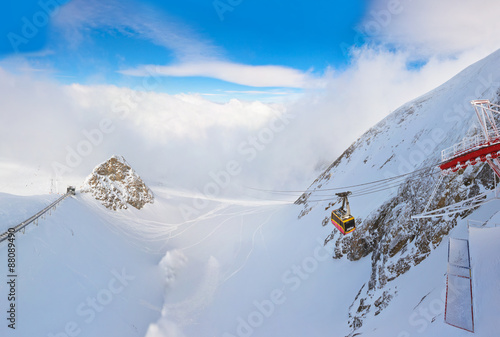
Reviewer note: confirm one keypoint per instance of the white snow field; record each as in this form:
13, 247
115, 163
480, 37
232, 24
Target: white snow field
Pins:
86, 271
76, 275
239, 269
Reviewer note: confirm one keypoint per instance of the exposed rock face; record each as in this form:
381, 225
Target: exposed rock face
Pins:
116, 185
397, 243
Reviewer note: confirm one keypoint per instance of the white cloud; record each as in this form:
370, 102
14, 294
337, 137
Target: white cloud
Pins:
436, 27
255, 92
255, 76
162, 118
179, 138
326, 123
79, 17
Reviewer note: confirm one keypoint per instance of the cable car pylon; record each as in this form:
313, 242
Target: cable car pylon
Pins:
484, 147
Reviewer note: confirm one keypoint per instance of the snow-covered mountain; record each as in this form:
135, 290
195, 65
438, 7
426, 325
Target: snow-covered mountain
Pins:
117, 185
408, 140
256, 267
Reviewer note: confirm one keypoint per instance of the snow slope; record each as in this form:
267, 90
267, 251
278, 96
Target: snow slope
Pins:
72, 257
197, 277
485, 254
239, 270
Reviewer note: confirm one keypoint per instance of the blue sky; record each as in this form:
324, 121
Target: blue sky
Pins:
96, 42
222, 49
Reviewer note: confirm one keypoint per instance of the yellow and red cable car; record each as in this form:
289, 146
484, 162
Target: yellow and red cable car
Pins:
342, 218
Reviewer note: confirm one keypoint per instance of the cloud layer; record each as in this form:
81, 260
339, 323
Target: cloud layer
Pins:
185, 140
176, 139
435, 27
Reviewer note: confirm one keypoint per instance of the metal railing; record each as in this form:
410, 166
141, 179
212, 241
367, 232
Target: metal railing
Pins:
35, 217
468, 144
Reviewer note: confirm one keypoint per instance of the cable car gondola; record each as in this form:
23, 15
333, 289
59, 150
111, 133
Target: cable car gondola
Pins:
342, 218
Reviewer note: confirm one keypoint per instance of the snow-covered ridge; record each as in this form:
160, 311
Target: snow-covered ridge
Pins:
117, 185
409, 139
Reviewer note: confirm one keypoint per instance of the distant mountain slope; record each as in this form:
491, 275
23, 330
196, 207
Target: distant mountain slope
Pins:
409, 139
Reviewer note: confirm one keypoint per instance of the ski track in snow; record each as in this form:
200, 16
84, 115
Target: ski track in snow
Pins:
259, 228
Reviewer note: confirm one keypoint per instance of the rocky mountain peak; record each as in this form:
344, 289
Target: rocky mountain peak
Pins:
117, 185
